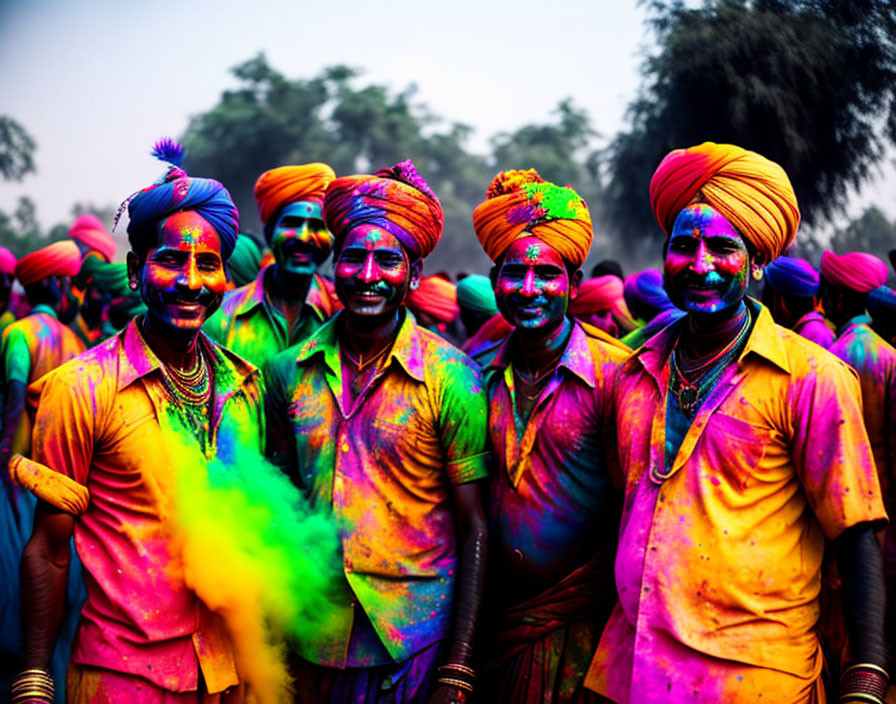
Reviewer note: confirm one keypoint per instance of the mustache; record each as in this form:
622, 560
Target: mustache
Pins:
377, 288
203, 296
708, 280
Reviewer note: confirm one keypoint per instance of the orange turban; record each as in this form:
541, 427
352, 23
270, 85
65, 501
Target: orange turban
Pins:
7, 261
58, 259
856, 271
521, 203
436, 297
753, 193
290, 184
396, 199
89, 231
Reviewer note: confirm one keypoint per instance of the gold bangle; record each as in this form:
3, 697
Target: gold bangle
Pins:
859, 697
460, 684
22, 696
463, 669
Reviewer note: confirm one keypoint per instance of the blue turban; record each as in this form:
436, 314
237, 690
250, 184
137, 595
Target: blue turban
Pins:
645, 290
881, 298
177, 191
475, 293
793, 277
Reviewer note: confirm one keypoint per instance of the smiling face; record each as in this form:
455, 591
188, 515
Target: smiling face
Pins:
372, 272
300, 241
707, 264
532, 285
182, 279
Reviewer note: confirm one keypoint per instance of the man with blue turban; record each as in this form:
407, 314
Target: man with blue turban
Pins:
791, 294
112, 428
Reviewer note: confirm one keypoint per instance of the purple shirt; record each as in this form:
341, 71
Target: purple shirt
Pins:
812, 327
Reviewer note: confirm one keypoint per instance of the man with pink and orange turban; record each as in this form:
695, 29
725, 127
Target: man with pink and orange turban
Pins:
288, 300
31, 347
847, 280
434, 304
383, 424
553, 497
97, 248
744, 454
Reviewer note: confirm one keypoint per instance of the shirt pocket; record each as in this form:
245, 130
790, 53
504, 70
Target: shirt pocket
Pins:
733, 449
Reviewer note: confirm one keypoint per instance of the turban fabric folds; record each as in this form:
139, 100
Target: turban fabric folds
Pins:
7, 261
603, 293
89, 231
475, 293
245, 261
856, 271
792, 276
177, 191
58, 259
435, 296
290, 184
881, 298
521, 203
397, 199
750, 191
646, 290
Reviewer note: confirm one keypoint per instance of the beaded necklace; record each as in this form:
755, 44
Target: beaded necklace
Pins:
190, 392
690, 391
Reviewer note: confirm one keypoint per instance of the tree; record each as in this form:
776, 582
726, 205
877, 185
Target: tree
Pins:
16, 150
871, 232
807, 83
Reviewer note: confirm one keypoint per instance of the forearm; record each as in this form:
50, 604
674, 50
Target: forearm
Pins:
469, 595
44, 576
864, 607
13, 408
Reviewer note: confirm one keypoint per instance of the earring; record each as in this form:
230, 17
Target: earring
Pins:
757, 274
133, 285
414, 285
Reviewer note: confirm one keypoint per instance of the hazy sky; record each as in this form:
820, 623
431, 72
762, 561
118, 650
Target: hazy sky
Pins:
96, 82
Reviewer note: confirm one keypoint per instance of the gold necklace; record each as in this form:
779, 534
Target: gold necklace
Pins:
360, 363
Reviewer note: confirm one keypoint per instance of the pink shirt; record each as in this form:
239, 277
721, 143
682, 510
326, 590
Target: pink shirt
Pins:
102, 421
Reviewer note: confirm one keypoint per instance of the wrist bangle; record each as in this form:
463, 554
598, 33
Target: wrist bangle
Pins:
459, 669
32, 684
863, 682
460, 684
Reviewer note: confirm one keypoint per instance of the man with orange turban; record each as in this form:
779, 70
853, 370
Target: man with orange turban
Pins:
434, 304
744, 452
553, 498
32, 347
288, 300
846, 282
383, 424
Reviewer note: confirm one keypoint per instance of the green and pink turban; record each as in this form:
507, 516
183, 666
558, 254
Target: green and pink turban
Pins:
520, 204
89, 231
396, 199
750, 191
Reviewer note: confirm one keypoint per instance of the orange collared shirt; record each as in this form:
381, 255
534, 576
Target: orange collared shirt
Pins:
720, 553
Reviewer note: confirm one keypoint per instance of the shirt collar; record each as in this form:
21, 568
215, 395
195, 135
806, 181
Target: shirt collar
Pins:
136, 359
407, 348
576, 356
45, 309
254, 296
764, 341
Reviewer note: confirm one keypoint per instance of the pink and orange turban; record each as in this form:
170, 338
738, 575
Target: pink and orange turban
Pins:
89, 231
521, 203
396, 199
7, 261
752, 192
603, 293
856, 271
435, 296
290, 184
58, 259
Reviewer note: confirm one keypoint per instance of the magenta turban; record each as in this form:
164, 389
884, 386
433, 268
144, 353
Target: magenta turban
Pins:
856, 271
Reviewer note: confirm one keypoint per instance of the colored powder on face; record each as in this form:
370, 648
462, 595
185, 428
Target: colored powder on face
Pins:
253, 551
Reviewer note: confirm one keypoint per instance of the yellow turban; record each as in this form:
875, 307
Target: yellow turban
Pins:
521, 203
290, 184
753, 193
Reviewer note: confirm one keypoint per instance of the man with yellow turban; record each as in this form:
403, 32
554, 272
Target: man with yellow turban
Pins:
847, 280
743, 452
288, 300
383, 423
553, 500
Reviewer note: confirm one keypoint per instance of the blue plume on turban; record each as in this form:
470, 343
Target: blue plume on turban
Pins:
792, 276
880, 298
177, 191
